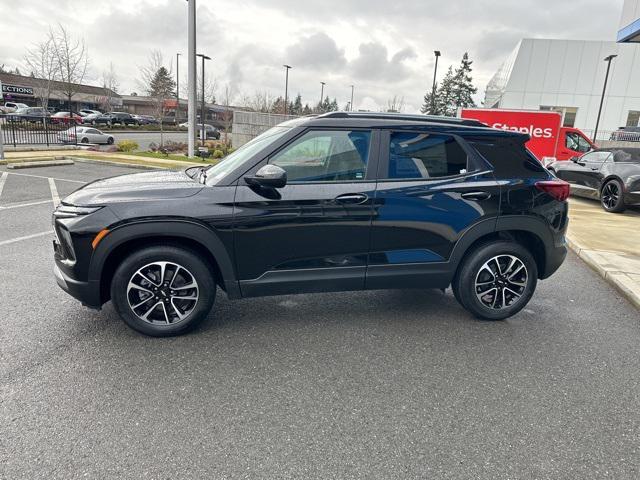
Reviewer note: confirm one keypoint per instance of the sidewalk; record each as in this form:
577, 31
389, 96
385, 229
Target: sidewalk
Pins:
116, 157
609, 243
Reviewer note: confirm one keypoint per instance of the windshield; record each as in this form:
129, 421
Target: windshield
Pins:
216, 172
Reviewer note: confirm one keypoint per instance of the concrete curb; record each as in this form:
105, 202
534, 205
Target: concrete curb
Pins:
620, 280
39, 163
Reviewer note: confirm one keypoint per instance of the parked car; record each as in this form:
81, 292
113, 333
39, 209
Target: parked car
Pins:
340, 201
611, 175
90, 119
145, 119
626, 134
85, 135
66, 118
116, 118
10, 107
85, 111
210, 130
29, 114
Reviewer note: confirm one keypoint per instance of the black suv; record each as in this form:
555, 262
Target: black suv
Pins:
115, 118
341, 201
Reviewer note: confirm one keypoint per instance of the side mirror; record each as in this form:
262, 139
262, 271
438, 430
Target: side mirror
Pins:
574, 159
268, 176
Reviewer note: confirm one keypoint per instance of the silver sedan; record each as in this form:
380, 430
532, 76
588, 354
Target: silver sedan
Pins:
85, 135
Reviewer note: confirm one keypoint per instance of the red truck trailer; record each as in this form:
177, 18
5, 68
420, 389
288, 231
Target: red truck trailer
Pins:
549, 139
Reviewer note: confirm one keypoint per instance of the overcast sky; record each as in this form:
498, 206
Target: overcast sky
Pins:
384, 47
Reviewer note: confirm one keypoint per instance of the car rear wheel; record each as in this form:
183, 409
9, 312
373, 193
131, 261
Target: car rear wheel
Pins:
163, 291
496, 280
84, 140
110, 141
612, 198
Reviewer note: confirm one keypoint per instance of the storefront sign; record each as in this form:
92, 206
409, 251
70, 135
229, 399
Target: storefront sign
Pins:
17, 90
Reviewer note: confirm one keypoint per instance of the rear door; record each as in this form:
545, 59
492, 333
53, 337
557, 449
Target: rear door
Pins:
431, 188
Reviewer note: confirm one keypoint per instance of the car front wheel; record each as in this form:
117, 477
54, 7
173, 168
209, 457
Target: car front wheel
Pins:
163, 290
612, 197
496, 280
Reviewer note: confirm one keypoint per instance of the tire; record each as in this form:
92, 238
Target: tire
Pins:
488, 268
612, 196
168, 316
110, 141
84, 140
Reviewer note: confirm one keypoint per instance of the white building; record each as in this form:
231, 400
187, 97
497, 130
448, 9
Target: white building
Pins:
629, 30
568, 76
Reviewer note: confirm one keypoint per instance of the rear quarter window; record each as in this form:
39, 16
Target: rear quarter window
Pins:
509, 157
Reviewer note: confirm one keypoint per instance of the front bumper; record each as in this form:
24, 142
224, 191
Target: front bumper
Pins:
87, 292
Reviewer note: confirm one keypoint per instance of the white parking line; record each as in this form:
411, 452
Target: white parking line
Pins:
18, 205
42, 176
3, 179
54, 192
26, 237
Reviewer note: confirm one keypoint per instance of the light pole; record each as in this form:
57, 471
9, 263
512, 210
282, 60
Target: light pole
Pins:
351, 103
321, 93
202, 115
604, 89
177, 86
191, 78
433, 89
286, 87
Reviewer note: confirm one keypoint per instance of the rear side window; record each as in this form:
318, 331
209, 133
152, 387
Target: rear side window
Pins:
424, 155
509, 157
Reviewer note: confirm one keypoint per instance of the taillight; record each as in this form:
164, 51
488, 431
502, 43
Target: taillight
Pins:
558, 189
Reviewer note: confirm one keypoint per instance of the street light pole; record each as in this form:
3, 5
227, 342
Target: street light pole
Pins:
321, 93
191, 79
433, 89
351, 103
604, 89
286, 87
177, 86
202, 115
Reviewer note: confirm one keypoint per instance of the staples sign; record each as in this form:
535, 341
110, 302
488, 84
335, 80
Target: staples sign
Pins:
542, 126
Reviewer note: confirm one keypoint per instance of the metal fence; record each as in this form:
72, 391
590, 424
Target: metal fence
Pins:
24, 131
248, 125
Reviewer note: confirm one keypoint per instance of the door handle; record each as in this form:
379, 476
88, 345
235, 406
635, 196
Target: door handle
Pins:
351, 198
476, 195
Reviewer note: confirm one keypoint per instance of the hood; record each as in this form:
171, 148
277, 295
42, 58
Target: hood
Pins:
156, 185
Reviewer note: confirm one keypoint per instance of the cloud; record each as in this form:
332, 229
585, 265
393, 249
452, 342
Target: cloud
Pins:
372, 62
318, 50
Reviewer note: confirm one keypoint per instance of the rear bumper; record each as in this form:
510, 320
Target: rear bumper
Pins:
554, 258
87, 292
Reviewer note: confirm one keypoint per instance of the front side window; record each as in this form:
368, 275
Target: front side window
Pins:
425, 155
326, 156
577, 143
595, 157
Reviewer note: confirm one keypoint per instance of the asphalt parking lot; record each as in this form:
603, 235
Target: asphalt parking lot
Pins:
390, 384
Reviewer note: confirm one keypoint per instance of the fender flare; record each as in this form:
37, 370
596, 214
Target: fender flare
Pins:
164, 228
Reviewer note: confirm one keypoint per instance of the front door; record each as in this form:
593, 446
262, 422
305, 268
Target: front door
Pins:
313, 234
431, 189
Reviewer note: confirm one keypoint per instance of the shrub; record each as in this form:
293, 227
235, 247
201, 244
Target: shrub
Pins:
127, 146
218, 153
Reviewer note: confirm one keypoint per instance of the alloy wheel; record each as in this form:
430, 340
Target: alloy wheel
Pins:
162, 293
610, 195
501, 282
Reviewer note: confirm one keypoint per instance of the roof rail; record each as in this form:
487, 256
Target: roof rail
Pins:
403, 116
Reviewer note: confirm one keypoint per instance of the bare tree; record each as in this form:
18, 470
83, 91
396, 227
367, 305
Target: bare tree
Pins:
111, 84
395, 104
72, 60
158, 83
42, 62
227, 116
259, 102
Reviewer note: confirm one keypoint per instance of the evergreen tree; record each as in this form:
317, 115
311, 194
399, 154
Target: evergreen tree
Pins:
445, 103
325, 106
297, 106
307, 109
333, 107
162, 84
429, 107
463, 88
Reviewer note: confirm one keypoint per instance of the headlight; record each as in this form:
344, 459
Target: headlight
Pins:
68, 211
